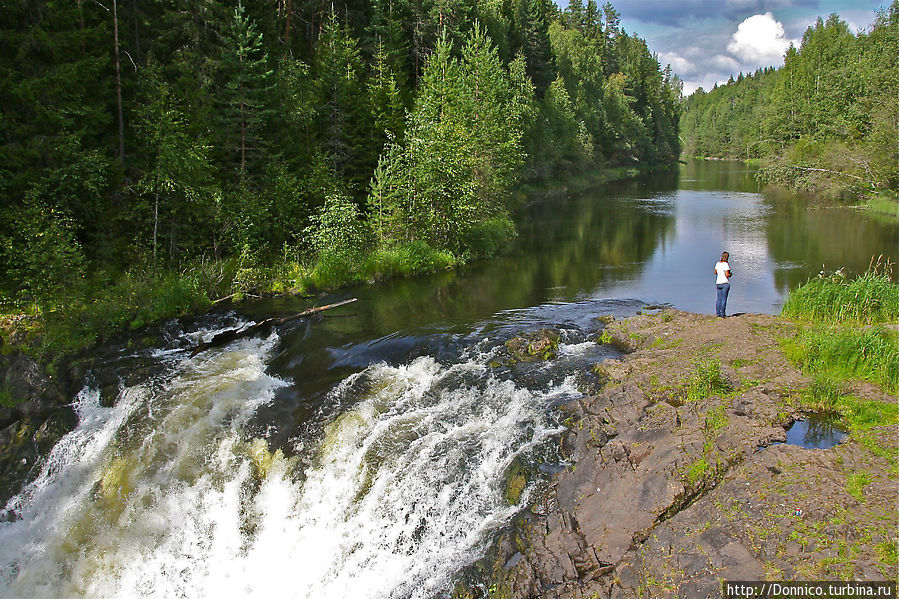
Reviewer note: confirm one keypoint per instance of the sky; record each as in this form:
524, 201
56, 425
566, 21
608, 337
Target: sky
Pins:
708, 41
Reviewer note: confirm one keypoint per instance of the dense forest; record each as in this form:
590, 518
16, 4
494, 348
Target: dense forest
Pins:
192, 148
827, 121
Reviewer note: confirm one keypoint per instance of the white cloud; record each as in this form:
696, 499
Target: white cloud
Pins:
679, 64
759, 40
721, 62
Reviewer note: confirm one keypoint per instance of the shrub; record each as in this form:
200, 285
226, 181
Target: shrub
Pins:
484, 239
40, 253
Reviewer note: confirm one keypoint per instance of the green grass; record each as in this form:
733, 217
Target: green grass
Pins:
843, 353
697, 471
407, 259
842, 338
826, 394
706, 380
885, 206
861, 416
108, 303
870, 298
715, 420
856, 483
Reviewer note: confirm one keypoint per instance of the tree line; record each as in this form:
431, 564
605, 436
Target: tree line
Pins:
157, 134
827, 120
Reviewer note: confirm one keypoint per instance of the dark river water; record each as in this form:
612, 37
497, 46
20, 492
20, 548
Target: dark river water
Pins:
367, 452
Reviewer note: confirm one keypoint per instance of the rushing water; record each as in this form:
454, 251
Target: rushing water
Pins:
367, 453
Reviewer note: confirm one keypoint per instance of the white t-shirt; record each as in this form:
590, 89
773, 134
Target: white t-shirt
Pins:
721, 269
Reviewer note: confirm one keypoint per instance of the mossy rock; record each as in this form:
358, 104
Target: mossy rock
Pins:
516, 479
538, 345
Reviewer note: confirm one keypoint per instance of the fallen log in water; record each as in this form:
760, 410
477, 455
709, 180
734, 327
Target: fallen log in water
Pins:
228, 336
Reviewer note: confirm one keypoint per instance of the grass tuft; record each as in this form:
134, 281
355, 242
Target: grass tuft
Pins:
706, 380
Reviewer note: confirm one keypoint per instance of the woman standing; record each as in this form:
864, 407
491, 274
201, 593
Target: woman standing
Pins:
722, 269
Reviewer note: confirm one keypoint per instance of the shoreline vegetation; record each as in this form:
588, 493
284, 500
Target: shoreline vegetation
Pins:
242, 153
143, 295
881, 204
825, 122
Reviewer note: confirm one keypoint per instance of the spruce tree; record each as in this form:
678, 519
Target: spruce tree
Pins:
246, 83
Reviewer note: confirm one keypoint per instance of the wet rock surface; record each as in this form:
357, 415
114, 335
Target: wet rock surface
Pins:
35, 418
671, 490
536, 345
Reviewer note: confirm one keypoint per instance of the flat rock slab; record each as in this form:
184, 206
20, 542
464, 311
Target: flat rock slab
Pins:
671, 493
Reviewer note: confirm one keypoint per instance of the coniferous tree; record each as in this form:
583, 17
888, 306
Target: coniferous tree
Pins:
245, 86
342, 112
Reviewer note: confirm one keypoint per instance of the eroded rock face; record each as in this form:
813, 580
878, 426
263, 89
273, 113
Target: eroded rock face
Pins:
668, 495
31, 426
35, 393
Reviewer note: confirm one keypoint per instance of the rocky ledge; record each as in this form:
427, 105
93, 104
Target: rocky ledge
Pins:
680, 479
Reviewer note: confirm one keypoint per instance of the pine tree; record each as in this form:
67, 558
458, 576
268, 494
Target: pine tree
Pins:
245, 86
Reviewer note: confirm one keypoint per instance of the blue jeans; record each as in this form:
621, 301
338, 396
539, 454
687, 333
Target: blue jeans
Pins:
723, 290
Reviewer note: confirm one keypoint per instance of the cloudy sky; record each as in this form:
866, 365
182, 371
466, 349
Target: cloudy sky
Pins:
707, 41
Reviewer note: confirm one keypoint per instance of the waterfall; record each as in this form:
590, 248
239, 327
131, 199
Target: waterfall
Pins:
169, 494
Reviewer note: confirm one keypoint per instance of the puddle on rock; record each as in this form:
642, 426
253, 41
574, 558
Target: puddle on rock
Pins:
816, 432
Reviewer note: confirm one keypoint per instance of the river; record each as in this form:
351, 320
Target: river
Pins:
369, 452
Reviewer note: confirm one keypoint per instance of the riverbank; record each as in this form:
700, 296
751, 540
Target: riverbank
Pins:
107, 304
830, 187
680, 476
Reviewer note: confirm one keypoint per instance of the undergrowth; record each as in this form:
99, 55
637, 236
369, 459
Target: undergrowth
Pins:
829, 395
842, 336
108, 303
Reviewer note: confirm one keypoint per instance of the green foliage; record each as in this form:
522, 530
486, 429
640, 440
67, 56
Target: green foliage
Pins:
715, 419
462, 153
132, 300
827, 394
825, 122
337, 229
870, 298
243, 94
338, 237
486, 238
871, 353
43, 258
833, 344
856, 483
243, 122
706, 380
885, 206
697, 471
405, 259
343, 116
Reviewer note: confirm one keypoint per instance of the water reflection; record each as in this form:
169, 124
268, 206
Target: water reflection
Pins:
653, 240
818, 431
718, 175
805, 240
